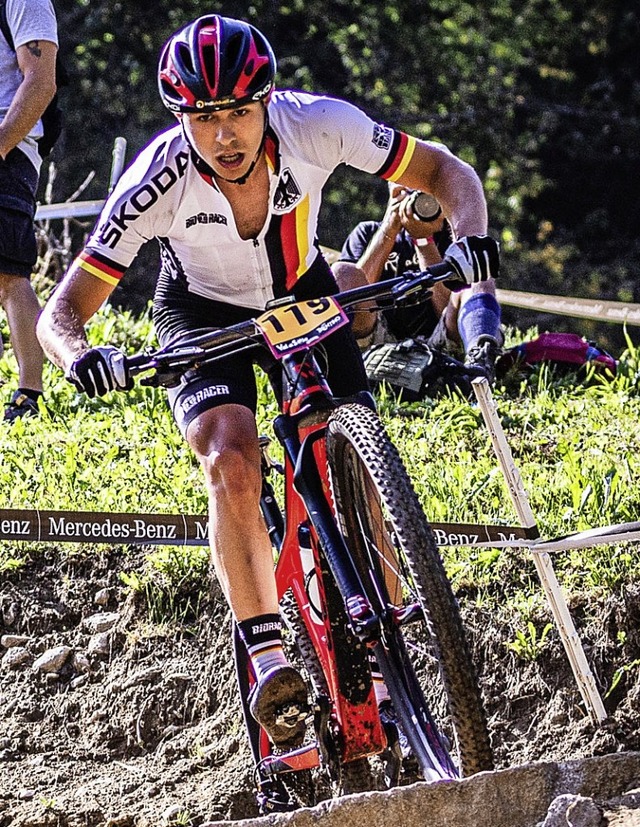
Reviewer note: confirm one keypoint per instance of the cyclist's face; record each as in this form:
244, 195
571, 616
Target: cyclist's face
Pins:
227, 140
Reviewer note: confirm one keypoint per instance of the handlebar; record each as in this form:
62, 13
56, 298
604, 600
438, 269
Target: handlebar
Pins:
176, 357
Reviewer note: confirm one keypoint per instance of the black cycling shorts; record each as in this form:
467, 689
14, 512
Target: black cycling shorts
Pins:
179, 313
18, 184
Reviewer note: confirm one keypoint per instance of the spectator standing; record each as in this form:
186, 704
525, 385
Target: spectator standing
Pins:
27, 85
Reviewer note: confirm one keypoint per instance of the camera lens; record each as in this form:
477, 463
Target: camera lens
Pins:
425, 207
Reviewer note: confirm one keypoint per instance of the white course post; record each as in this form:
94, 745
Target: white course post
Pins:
559, 609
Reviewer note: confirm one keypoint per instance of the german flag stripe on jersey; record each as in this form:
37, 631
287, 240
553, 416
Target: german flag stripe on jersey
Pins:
288, 247
271, 151
275, 254
295, 241
402, 149
100, 266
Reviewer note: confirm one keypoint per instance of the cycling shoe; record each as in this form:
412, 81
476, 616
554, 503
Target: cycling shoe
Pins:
280, 705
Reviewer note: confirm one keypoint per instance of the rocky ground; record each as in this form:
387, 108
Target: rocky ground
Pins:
111, 718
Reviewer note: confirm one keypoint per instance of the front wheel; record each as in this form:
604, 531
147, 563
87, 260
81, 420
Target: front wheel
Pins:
423, 654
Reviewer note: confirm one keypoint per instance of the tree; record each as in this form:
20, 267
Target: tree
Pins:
540, 95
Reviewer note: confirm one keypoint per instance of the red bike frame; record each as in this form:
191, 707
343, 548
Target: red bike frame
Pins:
354, 724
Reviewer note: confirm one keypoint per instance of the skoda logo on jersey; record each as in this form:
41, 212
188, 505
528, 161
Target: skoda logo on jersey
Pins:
287, 192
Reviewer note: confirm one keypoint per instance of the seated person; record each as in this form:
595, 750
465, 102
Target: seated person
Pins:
400, 242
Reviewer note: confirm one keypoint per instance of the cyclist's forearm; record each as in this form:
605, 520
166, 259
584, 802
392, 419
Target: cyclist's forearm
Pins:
453, 182
61, 327
462, 199
61, 333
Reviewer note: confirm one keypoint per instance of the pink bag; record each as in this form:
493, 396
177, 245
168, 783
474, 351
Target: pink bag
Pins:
566, 350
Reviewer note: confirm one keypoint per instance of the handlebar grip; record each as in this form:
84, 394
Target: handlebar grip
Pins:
432, 275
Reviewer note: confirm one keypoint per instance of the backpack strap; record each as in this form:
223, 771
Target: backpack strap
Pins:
4, 25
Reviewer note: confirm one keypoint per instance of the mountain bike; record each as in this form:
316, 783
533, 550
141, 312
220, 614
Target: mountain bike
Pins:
363, 590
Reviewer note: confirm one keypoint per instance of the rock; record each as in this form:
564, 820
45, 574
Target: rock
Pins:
52, 660
101, 597
81, 663
10, 613
15, 657
9, 641
101, 622
143, 676
79, 681
26, 795
573, 811
173, 814
100, 644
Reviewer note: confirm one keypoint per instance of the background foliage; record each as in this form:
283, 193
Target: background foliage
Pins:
542, 96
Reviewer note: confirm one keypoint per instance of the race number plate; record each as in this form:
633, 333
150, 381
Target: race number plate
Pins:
298, 326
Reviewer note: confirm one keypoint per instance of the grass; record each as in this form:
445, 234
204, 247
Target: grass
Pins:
577, 447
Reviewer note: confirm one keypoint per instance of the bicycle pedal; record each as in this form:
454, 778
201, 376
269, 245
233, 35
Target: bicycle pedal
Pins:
408, 614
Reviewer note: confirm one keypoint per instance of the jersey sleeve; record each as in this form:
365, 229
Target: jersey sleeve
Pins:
341, 133
136, 211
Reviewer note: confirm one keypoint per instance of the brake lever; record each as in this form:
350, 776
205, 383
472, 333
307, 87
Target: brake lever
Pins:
163, 378
411, 290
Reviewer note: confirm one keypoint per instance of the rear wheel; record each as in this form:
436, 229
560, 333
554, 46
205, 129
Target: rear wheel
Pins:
423, 654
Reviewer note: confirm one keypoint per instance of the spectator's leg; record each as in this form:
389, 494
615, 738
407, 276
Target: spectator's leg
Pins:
479, 314
22, 307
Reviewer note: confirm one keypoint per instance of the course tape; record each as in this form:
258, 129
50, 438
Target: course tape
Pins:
186, 530
192, 530
596, 309
39, 526
102, 527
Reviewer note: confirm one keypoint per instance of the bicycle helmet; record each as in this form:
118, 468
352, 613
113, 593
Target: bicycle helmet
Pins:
215, 63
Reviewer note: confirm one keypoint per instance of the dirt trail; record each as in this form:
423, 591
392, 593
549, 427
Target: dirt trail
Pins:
110, 719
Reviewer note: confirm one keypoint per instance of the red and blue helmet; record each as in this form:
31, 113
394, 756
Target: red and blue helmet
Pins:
215, 63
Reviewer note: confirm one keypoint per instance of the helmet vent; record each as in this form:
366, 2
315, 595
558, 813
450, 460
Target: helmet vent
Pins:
233, 50
185, 58
262, 77
209, 67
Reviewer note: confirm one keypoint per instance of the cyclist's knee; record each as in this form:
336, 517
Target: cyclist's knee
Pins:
233, 471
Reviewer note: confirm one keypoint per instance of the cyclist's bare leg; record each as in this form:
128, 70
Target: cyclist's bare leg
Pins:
225, 441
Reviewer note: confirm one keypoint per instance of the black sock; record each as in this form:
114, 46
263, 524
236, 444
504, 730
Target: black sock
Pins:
262, 635
35, 395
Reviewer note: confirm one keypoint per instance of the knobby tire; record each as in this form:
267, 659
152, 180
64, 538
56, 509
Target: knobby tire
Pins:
398, 561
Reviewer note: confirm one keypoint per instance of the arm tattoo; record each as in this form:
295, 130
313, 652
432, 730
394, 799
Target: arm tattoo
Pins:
34, 47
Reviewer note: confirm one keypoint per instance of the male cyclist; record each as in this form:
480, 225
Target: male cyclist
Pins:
232, 193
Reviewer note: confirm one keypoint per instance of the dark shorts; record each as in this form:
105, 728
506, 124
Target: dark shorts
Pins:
18, 183
178, 314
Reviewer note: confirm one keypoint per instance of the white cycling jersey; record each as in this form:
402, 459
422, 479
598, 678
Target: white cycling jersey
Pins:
169, 193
